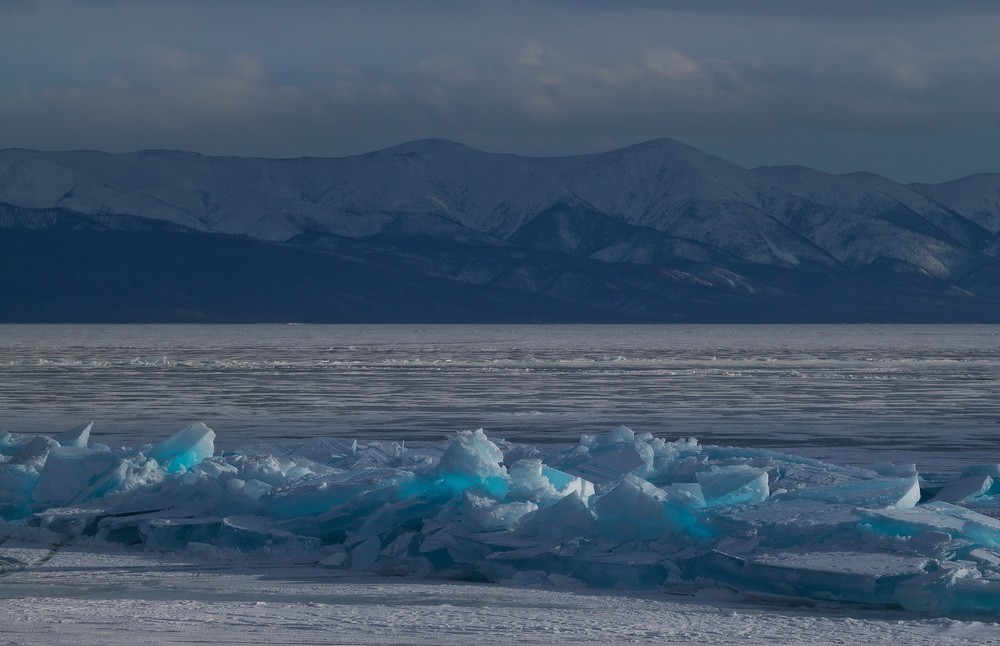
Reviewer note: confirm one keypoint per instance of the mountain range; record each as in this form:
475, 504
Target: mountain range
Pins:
435, 231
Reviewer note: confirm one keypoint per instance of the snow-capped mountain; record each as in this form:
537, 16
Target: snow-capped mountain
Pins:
655, 231
976, 198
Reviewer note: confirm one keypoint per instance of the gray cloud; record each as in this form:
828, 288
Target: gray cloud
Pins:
534, 77
897, 9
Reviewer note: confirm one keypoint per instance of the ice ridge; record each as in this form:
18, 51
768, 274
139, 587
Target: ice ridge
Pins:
618, 510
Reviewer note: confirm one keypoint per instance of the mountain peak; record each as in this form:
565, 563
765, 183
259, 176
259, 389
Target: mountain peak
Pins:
660, 142
432, 145
160, 153
665, 148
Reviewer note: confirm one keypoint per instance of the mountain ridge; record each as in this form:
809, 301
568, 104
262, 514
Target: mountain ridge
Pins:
662, 210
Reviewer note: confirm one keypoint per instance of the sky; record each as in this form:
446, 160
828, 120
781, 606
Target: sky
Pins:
908, 89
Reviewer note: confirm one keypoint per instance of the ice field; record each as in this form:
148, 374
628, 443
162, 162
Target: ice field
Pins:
616, 511
428, 533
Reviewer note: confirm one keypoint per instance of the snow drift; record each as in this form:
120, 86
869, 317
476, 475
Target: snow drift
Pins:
615, 511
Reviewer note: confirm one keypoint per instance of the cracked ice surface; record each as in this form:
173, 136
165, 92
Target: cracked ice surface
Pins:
618, 510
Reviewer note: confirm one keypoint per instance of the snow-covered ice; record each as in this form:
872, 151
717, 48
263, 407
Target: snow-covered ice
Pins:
619, 511
97, 596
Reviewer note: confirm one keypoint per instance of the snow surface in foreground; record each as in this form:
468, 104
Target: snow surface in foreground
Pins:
95, 597
622, 511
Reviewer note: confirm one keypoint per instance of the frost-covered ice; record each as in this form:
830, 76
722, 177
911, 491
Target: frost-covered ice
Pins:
619, 510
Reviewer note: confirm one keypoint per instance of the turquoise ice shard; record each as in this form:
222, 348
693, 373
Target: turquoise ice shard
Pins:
472, 453
184, 449
77, 436
532, 479
19, 475
471, 458
728, 486
940, 517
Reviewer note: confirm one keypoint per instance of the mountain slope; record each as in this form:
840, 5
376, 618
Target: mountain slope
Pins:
656, 231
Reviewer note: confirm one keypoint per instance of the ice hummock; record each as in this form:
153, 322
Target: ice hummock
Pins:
620, 510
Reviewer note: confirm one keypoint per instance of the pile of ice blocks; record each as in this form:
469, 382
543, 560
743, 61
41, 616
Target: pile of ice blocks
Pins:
619, 510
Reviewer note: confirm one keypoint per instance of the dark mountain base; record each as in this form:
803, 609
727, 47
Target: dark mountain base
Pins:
56, 275
124, 276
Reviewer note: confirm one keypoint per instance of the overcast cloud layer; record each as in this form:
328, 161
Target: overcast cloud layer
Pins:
907, 89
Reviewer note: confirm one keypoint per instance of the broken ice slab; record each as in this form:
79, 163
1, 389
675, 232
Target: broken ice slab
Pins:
891, 470
878, 493
170, 534
971, 595
17, 481
253, 533
33, 452
568, 517
497, 516
566, 484
365, 553
73, 474
992, 470
729, 486
471, 453
385, 517
950, 588
19, 475
964, 489
633, 508
936, 517
71, 522
531, 479
857, 577
77, 436
325, 449
607, 464
630, 570
161, 531
788, 523
184, 449
312, 496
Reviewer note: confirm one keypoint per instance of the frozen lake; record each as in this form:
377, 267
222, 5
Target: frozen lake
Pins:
849, 394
